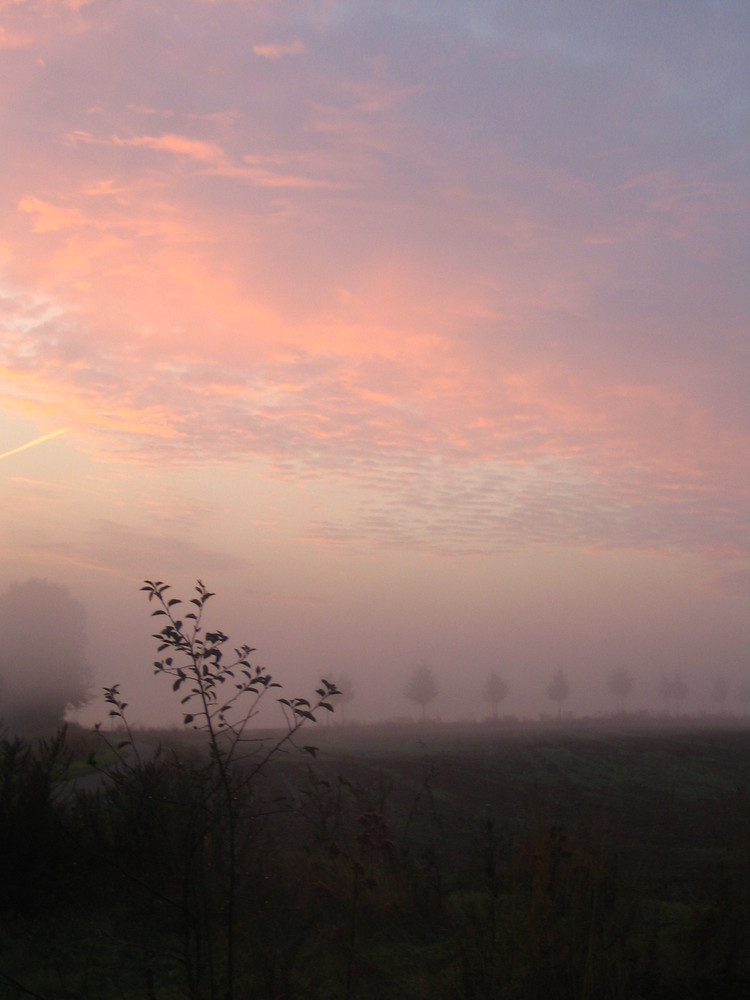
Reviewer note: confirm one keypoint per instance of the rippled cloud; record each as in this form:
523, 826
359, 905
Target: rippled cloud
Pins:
488, 270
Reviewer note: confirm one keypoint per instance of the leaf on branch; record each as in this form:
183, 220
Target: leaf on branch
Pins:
313, 751
187, 720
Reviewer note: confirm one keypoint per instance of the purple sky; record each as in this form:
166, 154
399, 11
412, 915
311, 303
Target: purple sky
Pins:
420, 332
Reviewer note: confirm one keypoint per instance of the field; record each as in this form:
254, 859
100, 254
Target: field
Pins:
606, 859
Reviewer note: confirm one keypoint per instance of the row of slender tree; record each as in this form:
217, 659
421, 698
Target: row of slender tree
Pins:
43, 670
422, 688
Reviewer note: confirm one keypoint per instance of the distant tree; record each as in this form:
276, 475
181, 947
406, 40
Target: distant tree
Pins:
621, 685
720, 693
421, 688
495, 691
345, 693
665, 692
743, 696
679, 690
43, 670
558, 690
674, 690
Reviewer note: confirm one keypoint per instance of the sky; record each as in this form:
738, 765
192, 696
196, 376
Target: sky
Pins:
420, 332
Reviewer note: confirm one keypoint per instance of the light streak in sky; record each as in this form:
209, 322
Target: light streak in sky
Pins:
32, 444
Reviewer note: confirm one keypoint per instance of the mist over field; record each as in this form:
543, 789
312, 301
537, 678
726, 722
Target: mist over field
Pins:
48, 660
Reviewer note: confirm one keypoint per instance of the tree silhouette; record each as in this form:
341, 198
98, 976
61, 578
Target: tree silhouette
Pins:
743, 696
345, 695
43, 669
558, 690
665, 692
421, 688
219, 695
679, 690
720, 693
495, 691
674, 690
621, 685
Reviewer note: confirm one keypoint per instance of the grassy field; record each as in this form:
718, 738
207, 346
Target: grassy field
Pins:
593, 860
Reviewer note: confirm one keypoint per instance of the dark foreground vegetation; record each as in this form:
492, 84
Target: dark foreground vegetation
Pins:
441, 862
601, 861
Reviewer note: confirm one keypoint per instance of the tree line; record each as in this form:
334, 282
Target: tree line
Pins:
672, 690
44, 673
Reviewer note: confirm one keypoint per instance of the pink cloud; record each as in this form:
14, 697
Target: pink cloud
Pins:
178, 145
277, 51
49, 218
266, 173
10, 40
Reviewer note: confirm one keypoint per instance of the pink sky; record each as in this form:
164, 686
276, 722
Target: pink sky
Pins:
420, 332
